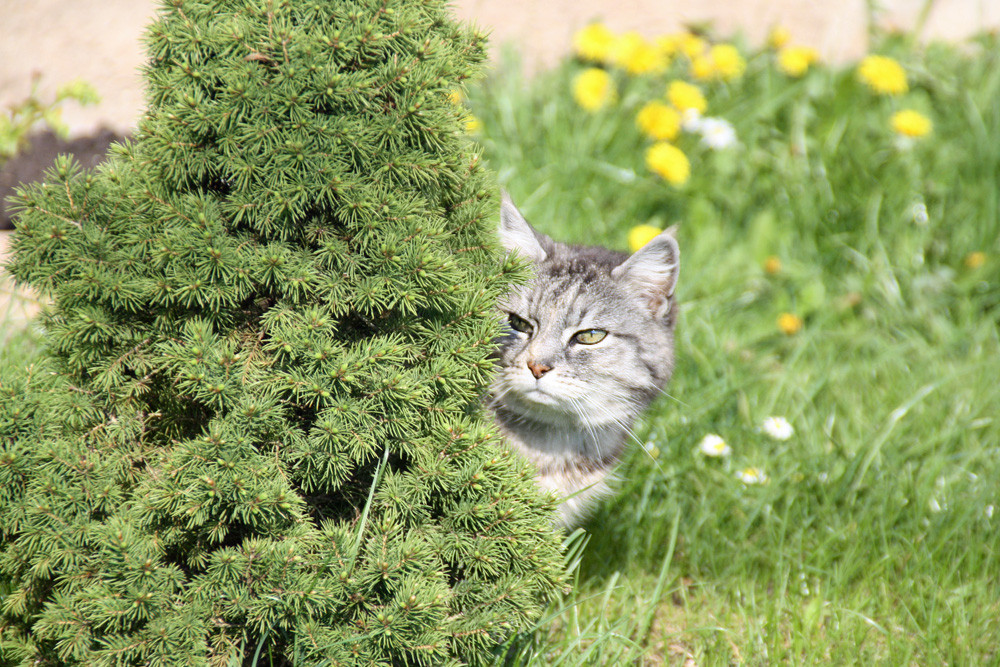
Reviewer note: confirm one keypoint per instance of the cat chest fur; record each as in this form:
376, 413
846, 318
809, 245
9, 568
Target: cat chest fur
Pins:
574, 464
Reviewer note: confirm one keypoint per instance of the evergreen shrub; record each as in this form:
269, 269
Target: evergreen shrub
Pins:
254, 434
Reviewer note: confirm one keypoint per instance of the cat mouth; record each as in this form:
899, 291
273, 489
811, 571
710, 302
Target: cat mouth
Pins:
531, 398
539, 400
539, 395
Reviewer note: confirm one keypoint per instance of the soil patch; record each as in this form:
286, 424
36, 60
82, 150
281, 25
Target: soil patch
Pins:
31, 163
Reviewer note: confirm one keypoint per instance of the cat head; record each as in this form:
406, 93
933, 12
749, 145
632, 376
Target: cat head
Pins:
590, 338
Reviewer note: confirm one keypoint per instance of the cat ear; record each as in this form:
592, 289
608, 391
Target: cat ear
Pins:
517, 234
652, 271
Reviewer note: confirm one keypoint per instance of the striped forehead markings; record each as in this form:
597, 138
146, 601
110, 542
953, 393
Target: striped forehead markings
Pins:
558, 300
564, 300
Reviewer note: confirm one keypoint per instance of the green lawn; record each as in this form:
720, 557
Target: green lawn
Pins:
874, 539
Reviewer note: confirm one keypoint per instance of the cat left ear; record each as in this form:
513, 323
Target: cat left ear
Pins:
517, 234
652, 271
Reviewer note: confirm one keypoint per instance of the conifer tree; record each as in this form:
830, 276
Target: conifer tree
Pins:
254, 433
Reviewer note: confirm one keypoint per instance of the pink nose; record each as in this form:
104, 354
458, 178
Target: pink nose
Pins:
538, 370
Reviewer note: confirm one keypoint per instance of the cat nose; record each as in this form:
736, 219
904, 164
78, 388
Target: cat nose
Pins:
537, 369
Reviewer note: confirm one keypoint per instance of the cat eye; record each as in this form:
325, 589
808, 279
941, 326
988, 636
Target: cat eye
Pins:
589, 336
520, 324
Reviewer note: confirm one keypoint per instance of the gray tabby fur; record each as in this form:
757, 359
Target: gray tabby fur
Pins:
574, 420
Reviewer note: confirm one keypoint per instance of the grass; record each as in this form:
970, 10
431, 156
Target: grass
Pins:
874, 539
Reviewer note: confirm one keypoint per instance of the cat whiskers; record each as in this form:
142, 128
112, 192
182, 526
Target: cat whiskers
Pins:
496, 403
639, 407
495, 397
604, 411
621, 424
653, 385
581, 416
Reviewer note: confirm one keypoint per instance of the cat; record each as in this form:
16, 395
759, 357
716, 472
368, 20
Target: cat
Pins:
589, 345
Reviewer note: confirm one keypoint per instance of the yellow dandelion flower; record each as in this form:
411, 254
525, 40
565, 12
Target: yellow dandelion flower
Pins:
593, 88
594, 42
975, 259
883, 75
910, 123
668, 45
702, 68
636, 55
778, 37
659, 121
669, 162
727, 62
790, 324
691, 45
795, 60
722, 62
651, 449
772, 265
684, 96
472, 124
640, 235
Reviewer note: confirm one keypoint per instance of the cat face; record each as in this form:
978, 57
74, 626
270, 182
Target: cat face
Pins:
590, 337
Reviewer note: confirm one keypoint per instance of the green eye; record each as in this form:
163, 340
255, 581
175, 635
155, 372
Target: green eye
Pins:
520, 324
590, 336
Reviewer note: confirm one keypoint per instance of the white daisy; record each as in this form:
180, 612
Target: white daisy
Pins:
691, 120
717, 133
778, 428
713, 445
752, 476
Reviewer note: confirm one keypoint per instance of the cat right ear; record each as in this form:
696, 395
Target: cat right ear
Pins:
652, 271
517, 235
